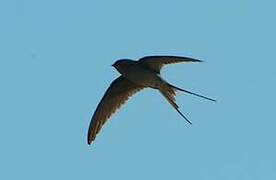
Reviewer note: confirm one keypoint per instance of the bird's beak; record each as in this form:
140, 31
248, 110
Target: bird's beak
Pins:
113, 65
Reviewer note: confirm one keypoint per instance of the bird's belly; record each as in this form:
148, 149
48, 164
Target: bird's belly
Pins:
144, 78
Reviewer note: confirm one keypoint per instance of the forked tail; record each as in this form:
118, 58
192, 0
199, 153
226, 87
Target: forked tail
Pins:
198, 95
169, 94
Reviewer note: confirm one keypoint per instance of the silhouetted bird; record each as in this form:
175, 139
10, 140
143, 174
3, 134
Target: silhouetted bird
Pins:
136, 75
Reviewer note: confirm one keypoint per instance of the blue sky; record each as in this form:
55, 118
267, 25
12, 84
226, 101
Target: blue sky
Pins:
55, 66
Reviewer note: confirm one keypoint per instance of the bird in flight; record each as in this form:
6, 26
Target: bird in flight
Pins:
135, 76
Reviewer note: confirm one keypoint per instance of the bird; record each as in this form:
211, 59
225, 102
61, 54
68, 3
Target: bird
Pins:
136, 75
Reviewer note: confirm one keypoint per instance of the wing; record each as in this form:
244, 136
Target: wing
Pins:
156, 63
117, 94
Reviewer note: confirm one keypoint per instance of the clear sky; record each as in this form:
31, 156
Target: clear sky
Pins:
55, 59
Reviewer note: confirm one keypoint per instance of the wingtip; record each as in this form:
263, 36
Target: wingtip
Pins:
193, 59
89, 140
196, 60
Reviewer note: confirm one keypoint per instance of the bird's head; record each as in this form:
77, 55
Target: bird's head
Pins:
123, 64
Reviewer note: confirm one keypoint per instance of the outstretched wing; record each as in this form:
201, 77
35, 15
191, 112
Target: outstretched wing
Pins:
156, 63
117, 94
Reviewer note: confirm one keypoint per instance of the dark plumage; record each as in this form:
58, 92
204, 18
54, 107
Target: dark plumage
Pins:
136, 75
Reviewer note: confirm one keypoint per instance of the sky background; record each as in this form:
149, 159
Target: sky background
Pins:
55, 59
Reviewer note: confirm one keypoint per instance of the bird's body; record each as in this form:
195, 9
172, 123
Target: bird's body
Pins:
136, 73
135, 76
